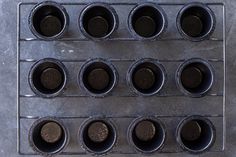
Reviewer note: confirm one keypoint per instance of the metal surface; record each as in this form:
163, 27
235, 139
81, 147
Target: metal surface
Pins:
25, 97
8, 68
169, 91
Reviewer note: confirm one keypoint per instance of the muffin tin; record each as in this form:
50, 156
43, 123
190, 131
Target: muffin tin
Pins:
136, 73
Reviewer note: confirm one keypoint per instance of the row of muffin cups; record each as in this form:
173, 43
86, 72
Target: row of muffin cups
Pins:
147, 21
98, 77
98, 135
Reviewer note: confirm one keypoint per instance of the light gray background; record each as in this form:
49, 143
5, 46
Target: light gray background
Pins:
8, 130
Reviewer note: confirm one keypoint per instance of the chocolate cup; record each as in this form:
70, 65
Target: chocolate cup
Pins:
147, 21
203, 141
203, 80
41, 80
98, 21
48, 20
42, 147
103, 145
196, 22
155, 141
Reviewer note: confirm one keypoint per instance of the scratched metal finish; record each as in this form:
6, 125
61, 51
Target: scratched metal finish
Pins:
75, 106
170, 111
